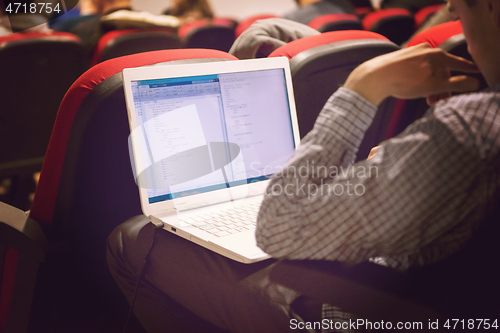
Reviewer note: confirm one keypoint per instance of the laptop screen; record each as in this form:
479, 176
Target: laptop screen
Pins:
209, 132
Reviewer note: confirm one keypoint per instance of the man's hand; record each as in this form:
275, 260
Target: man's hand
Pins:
372, 153
418, 71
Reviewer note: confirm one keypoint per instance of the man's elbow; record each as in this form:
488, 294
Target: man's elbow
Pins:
262, 241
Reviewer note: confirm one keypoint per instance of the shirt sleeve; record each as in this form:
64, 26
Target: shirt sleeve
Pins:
405, 202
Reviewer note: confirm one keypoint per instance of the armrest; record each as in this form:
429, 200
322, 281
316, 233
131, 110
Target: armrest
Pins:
12, 216
368, 290
16, 219
22, 249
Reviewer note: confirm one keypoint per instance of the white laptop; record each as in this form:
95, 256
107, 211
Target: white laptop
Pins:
205, 139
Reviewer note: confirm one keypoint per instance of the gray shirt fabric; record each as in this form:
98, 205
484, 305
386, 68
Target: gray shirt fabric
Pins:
265, 36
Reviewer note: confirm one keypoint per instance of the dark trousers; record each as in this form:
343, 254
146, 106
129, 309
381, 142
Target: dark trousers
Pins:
188, 288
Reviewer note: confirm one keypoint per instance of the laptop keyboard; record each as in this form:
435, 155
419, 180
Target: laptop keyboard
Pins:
226, 222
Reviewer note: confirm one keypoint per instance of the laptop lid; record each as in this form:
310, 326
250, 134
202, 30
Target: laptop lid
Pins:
207, 133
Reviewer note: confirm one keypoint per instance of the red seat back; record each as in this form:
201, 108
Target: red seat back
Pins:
397, 24
86, 186
217, 34
438, 34
118, 43
335, 22
426, 13
361, 12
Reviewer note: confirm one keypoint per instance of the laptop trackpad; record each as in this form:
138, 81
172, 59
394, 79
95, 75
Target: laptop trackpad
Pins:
243, 242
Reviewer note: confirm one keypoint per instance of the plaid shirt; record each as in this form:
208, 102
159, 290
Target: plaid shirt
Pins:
418, 200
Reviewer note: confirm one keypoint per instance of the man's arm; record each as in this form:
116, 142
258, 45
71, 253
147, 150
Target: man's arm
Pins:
323, 207
418, 71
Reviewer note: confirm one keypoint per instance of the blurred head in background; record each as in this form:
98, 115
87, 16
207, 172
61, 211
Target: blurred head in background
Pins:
190, 10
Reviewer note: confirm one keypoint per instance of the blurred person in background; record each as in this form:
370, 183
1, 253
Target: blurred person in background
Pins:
190, 10
5, 28
89, 9
91, 30
115, 15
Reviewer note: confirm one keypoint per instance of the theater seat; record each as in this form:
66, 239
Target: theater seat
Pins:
438, 34
397, 24
320, 64
217, 34
361, 12
425, 14
86, 186
226, 21
118, 43
22, 249
36, 70
362, 7
335, 22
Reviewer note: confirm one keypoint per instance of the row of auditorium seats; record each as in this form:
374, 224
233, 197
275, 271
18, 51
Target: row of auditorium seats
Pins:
86, 186
220, 33
36, 70
395, 23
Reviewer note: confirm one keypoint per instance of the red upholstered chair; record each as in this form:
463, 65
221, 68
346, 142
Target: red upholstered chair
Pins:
397, 24
321, 63
217, 34
226, 21
361, 12
86, 186
335, 22
426, 13
438, 34
22, 249
36, 70
247, 22
447, 36
118, 43
362, 7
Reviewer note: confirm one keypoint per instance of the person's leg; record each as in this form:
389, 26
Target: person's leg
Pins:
236, 297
